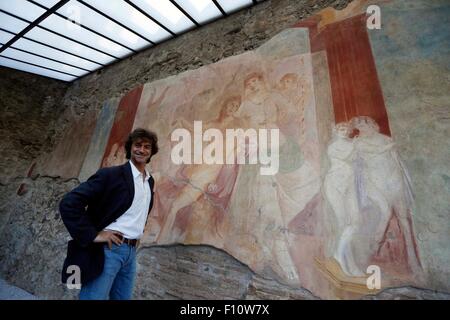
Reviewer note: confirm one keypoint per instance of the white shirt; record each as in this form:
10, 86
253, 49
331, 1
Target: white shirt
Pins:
131, 224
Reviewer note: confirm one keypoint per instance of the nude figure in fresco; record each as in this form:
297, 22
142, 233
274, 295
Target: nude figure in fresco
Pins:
383, 189
256, 225
204, 196
340, 192
366, 186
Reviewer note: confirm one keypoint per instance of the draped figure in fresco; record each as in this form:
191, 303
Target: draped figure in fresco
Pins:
383, 189
298, 181
257, 226
295, 90
340, 192
202, 201
367, 186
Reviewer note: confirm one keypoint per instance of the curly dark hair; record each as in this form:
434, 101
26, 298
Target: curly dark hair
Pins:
140, 133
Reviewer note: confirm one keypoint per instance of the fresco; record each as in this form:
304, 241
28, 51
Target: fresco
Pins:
126, 110
413, 65
67, 157
99, 139
205, 203
342, 199
368, 189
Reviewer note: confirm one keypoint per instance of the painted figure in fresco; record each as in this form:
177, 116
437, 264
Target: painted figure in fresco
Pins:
291, 115
297, 180
367, 186
258, 109
207, 189
383, 188
292, 89
257, 225
340, 191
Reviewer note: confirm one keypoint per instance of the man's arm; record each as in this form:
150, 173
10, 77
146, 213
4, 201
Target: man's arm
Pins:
73, 208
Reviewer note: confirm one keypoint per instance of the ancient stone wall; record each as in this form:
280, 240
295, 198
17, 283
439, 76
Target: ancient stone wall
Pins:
29, 107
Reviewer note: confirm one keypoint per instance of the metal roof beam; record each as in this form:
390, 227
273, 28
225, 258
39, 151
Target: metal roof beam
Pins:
86, 28
37, 65
59, 34
55, 48
150, 17
184, 12
41, 56
34, 23
115, 21
220, 8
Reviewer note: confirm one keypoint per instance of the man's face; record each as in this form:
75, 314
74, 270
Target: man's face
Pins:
141, 150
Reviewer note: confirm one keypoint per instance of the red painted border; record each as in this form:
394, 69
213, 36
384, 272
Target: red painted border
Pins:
123, 121
355, 86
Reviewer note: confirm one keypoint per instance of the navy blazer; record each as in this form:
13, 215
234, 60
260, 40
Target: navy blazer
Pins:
91, 207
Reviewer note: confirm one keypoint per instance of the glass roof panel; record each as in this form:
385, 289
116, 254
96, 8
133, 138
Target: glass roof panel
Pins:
202, 11
235, 5
166, 13
99, 40
47, 3
103, 25
74, 31
22, 8
23, 56
5, 37
132, 18
37, 70
68, 45
40, 49
11, 24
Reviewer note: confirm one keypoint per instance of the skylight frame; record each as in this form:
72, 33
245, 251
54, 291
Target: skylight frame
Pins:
72, 52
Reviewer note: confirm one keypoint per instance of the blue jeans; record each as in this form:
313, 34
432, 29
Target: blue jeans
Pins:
117, 279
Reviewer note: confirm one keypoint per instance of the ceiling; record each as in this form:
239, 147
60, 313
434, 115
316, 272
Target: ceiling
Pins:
68, 39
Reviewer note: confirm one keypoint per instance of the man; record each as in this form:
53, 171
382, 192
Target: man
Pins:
106, 216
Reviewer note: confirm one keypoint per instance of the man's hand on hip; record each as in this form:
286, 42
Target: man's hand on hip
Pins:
109, 236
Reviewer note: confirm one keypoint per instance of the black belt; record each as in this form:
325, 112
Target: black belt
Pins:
130, 242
